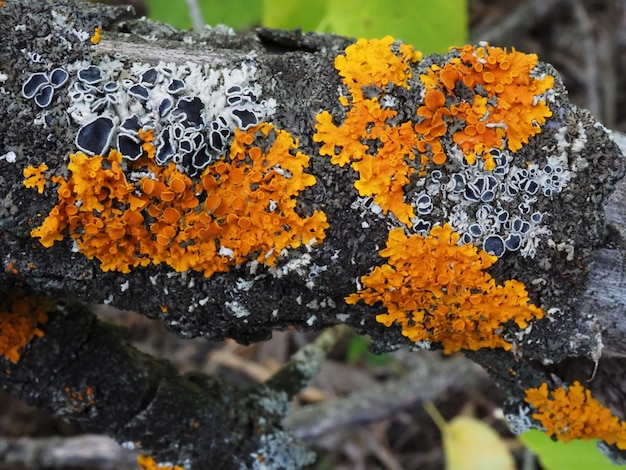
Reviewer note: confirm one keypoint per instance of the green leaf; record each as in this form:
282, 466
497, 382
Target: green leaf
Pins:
427, 25
292, 14
358, 350
238, 14
173, 13
430, 26
574, 455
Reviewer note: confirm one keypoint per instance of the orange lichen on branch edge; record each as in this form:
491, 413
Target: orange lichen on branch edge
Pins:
148, 463
35, 177
242, 207
20, 317
509, 109
440, 291
572, 413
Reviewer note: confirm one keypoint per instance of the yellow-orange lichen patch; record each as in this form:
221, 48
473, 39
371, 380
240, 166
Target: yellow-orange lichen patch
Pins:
440, 291
240, 208
20, 317
375, 62
484, 98
506, 108
97, 35
35, 177
572, 413
148, 463
376, 149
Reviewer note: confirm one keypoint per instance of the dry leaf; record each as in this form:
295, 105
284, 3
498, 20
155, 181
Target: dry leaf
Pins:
470, 444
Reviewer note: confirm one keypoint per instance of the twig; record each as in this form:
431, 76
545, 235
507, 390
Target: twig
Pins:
521, 19
87, 451
590, 55
306, 363
606, 59
431, 377
195, 13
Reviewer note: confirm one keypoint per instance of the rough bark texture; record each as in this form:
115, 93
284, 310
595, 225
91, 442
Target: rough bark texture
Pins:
575, 273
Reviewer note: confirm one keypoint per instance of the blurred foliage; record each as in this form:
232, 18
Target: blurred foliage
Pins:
238, 14
574, 455
358, 351
429, 26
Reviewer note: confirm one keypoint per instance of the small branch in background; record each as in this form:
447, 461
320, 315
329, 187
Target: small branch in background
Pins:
195, 13
306, 363
226, 357
432, 377
87, 451
515, 24
607, 53
591, 65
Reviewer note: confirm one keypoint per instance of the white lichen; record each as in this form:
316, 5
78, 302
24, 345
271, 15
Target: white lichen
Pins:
237, 309
9, 157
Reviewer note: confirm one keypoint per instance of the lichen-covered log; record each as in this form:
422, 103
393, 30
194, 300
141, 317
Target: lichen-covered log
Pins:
83, 371
232, 186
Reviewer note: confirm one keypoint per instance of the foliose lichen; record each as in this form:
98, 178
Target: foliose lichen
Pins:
572, 412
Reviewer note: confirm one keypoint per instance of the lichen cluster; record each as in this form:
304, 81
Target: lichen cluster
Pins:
371, 138
490, 96
36, 177
77, 401
440, 291
193, 111
148, 463
434, 143
20, 318
242, 207
573, 413
484, 99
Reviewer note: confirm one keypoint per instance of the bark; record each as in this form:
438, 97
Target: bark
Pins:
575, 274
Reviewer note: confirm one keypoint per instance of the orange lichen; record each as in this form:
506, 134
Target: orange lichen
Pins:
78, 400
11, 268
572, 413
35, 177
97, 35
376, 149
241, 208
375, 62
20, 317
505, 107
439, 291
148, 463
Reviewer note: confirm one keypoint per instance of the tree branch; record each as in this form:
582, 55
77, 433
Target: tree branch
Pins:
232, 186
